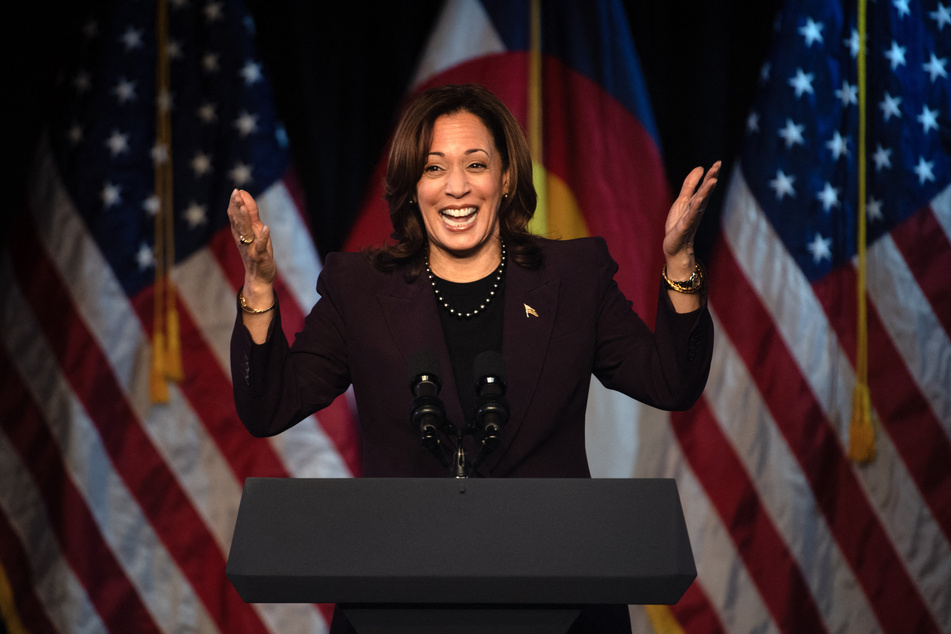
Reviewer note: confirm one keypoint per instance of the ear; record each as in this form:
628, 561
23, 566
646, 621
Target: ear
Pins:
506, 182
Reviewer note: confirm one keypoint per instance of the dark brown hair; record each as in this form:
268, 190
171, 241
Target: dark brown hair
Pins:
408, 150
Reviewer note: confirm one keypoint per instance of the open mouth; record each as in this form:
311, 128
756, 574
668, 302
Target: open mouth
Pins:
459, 218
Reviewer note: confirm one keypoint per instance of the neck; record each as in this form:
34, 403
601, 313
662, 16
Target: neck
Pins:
466, 268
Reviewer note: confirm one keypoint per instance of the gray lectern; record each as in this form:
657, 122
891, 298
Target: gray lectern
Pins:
468, 555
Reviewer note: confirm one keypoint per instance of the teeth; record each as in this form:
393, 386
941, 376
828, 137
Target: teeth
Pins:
459, 213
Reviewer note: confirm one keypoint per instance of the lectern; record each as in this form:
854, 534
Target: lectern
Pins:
461, 555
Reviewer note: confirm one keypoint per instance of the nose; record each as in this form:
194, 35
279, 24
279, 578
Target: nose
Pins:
457, 182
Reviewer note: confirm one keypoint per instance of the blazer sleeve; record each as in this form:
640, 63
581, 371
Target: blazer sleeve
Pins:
666, 368
277, 385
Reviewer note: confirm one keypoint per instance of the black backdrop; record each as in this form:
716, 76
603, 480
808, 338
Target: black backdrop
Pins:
339, 70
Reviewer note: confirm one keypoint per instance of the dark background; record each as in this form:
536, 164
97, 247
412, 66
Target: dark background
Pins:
339, 72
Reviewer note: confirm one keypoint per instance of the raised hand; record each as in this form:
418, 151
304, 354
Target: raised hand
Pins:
684, 218
253, 239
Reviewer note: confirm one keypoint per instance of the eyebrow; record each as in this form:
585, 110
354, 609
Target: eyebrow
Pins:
467, 152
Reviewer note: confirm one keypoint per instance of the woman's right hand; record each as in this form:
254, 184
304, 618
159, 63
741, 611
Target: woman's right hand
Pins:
253, 239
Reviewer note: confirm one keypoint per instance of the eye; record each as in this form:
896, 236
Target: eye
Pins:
429, 169
478, 165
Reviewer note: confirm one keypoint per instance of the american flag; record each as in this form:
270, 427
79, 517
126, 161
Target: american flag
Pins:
116, 508
789, 533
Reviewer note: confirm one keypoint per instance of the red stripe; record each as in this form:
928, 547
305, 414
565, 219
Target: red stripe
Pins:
615, 172
109, 589
337, 420
759, 544
864, 544
15, 562
695, 613
925, 247
135, 459
904, 413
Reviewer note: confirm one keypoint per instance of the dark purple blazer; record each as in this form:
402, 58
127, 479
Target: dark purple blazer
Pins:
562, 323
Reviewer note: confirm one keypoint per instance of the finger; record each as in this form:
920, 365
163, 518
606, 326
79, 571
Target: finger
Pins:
690, 183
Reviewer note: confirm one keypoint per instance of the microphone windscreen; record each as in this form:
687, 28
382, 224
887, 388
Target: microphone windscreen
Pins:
423, 361
488, 363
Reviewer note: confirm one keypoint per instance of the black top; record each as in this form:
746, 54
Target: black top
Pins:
466, 338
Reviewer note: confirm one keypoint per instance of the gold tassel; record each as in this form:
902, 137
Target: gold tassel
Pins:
662, 619
173, 359
861, 432
158, 388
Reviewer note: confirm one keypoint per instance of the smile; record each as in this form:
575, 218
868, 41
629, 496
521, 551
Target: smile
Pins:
459, 218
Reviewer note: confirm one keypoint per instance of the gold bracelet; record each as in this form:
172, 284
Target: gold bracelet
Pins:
690, 286
253, 311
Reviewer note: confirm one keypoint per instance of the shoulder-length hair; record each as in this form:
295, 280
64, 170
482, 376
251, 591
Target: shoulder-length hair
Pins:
408, 151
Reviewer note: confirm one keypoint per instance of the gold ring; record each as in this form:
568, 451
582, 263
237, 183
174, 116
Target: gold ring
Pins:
246, 240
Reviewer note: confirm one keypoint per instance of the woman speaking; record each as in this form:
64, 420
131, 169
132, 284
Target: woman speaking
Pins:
413, 319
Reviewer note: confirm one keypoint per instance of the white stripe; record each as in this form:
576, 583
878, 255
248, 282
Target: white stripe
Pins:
941, 206
720, 571
911, 325
463, 31
174, 428
59, 591
784, 491
802, 323
294, 250
121, 522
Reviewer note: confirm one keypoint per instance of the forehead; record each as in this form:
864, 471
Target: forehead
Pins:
461, 131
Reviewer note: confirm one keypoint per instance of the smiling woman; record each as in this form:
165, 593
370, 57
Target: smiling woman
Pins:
460, 195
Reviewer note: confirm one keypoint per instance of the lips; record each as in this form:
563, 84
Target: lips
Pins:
458, 218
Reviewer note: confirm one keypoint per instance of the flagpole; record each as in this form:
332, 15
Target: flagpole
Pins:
539, 223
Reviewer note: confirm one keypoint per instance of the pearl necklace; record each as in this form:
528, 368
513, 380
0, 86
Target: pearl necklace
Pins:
482, 305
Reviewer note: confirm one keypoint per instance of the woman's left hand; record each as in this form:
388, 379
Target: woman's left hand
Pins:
684, 218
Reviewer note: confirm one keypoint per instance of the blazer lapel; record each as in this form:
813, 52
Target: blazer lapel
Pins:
412, 316
531, 304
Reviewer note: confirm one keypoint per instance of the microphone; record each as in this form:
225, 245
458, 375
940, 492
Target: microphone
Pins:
428, 413
492, 410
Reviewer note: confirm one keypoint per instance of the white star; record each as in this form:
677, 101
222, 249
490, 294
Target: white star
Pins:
117, 143
111, 194
873, 209
209, 62
213, 11
812, 32
838, 145
75, 134
928, 119
924, 170
131, 38
164, 101
82, 82
246, 123
206, 112
820, 248
889, 106
151, 205
935, 67
160, 154
802, 82
783, 185
942, 16
124, 90
90, 29
145, 257
201, 164
792, 134
251, 73
896, 55
902, 7
829, 197
240, 174
847, 94
882, 158
173, 49
195, 215
752, 123
853, 44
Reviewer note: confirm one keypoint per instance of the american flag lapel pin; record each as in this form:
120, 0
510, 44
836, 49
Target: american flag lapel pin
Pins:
529, 311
